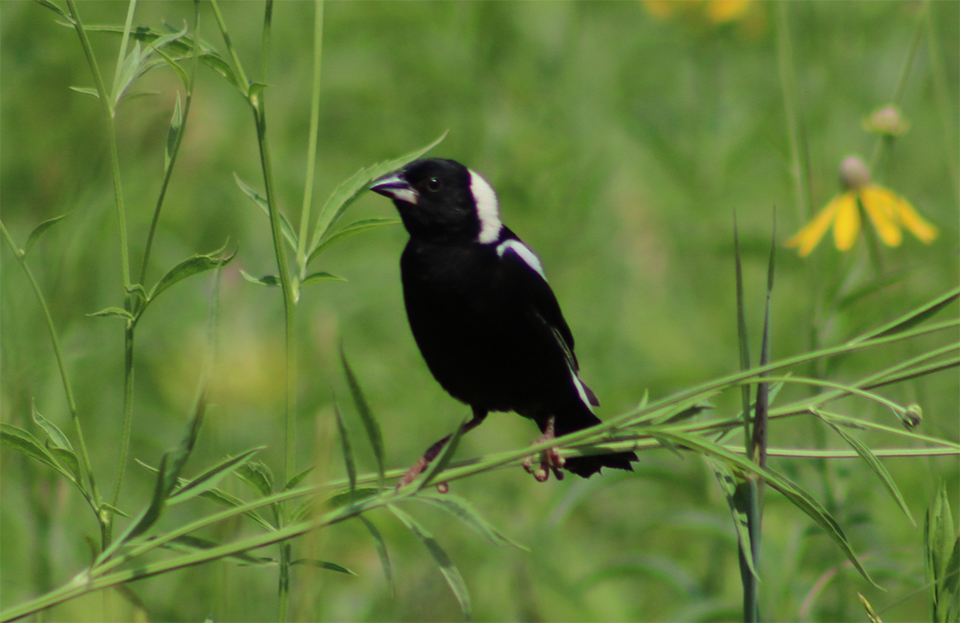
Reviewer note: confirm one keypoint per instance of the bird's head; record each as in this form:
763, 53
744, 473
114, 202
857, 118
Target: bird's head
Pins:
440, 198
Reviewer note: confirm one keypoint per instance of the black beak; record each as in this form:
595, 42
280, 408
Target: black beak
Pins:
394, 185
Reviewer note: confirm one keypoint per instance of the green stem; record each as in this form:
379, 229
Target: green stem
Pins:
237, 65
86, 469
168, 174
108, 117
312, 145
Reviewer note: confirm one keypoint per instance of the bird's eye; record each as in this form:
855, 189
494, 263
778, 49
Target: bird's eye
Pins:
433, 184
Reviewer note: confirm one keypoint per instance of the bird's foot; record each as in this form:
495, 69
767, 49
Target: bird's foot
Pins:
421, 466
550, 459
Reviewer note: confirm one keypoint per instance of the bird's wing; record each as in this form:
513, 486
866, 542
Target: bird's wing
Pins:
524, 267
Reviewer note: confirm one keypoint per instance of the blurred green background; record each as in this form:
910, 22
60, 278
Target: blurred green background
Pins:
620, 136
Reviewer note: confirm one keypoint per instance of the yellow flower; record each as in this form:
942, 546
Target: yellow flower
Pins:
716, 11
887, 210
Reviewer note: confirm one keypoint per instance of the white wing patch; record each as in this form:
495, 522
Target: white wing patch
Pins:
581, 390
522, 250
488, 208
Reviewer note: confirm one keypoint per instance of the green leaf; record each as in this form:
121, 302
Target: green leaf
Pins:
267, 280
381, 547
257, 476
351, 189
56, 436
321, 276
347, 450
39, 231
68, 458
462, 510
345, 498
729, 484
15, 438
370, 423
128, 72
911, 318
323, 564
189, 267
296, 480
867, 455
50, 5
354, 228
210, 477
86, 91
941, 546
184, 79
113, 311
110, 508
796, 495
264, 205
193, 543
173, 133
447, 568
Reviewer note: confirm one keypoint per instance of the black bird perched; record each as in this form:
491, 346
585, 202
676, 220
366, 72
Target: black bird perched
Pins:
482, 313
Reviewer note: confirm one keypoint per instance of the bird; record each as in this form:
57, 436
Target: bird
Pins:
483, 315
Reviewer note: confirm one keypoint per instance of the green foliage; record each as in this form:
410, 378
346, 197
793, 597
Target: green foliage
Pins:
620, 141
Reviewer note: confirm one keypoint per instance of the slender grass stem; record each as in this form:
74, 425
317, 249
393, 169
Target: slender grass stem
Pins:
107, 106
312, 141
86, 469
237, 65
175, 150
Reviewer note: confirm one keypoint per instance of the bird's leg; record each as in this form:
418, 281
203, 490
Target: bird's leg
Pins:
433, 451
549, 458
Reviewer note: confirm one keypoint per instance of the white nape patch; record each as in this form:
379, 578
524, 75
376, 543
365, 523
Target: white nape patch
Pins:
581, 390
488, 208
528, 256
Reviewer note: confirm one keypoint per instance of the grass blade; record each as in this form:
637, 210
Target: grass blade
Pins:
462, 510
867, 455
347, 231
440, 462
447, 568
347, 450
370, 423
381, 548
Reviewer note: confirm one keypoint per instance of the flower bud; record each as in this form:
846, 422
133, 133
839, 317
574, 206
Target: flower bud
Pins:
854, 174
887, 120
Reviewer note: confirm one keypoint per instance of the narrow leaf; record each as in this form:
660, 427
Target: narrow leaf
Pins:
113, 311
351, 189
193, 543
68, 458
910, 319
867, 455
728, 484
796, 495
50, 5
86, 91
296, 480
462, 510
323, 564
257, 476
357, 227
347, 450
210, 477
56, 436
447, 568
39, 231
321, 276
381, 546
173, 133
189, 267
104, 506
267, 280
128, 72
15, 438
370, 423
264, 205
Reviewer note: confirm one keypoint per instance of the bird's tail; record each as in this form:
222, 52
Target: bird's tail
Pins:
579, 417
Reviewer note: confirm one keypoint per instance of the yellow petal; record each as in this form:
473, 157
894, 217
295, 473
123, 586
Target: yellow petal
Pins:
660, 9
910, 219
847, 224
879, 204
809, 237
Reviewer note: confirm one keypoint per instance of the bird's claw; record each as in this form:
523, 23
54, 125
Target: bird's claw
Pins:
550, 459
